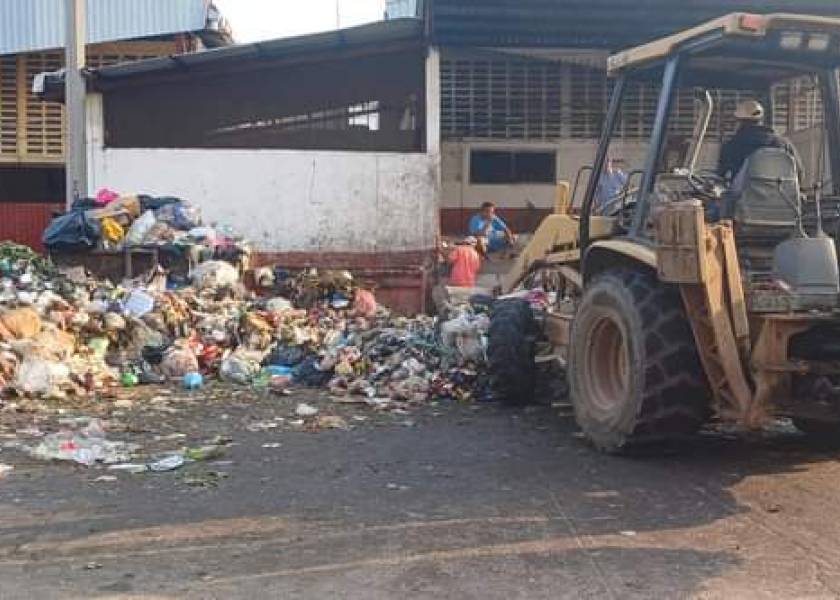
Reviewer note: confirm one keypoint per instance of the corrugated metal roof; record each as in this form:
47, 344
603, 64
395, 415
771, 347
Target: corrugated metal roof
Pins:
31, 25
372, 35
609, 24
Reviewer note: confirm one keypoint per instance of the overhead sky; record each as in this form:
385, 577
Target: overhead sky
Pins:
254, 20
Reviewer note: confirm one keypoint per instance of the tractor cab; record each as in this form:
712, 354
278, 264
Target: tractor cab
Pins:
708, 287
784, 64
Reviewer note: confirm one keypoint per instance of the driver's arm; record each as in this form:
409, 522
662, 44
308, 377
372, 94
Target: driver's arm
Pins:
725, 162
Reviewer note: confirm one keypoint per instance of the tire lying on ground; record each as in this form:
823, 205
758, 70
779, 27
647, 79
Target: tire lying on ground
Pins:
634, 373
511, 348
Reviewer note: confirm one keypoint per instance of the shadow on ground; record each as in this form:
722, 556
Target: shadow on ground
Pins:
459, 504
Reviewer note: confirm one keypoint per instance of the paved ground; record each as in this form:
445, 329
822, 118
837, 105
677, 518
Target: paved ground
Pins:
451, 502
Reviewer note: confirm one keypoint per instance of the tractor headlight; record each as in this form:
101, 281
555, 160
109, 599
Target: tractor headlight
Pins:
792, 40
819, 42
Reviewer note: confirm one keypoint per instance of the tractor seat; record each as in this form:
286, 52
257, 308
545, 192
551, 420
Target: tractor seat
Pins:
763, 203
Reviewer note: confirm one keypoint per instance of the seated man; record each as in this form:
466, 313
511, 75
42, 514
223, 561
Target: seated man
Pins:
610, 187
751, 135
494, 232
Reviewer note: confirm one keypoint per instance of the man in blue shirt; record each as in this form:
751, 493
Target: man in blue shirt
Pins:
610, 187
487, 225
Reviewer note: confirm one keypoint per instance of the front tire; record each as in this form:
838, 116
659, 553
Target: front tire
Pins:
634, 372
511, 351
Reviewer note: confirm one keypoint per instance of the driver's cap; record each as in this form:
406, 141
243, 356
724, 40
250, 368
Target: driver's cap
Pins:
749, 110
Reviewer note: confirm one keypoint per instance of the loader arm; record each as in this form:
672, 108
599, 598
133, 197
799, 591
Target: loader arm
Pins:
555, 242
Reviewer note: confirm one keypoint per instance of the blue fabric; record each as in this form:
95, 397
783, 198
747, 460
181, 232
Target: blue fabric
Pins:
495, 237
610, 186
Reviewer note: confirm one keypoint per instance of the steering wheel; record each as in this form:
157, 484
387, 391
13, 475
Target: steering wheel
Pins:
707, 184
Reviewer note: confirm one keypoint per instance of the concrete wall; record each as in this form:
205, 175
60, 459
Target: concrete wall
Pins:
290, 201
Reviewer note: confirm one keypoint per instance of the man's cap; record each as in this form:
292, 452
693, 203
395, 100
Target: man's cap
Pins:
749, 110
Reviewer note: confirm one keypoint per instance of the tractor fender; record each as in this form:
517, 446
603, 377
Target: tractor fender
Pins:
607, 254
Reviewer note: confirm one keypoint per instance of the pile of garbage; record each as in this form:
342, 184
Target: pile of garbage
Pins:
112, 222
63, 336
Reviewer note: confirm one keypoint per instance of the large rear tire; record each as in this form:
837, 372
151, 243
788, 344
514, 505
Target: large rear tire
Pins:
634, 372
511, 350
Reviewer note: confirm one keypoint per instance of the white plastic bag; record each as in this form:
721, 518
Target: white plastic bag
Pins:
140, 229
214, 273
40, 377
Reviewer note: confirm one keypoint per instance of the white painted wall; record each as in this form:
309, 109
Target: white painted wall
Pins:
290, 201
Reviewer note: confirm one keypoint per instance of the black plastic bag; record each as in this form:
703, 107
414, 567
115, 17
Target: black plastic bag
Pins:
285, 356
72, 231
307, 373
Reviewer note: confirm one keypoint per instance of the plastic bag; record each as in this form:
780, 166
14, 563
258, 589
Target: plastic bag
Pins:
139, 303
20, 323
112, 231
40, 377
140, 229
278, 305
240, 367
287, 356
179, 215
72, 231
465, 334
177, 362
105, 197
214, 273
86, 447
364, 304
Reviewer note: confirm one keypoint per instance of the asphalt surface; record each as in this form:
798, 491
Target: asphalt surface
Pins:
449, 502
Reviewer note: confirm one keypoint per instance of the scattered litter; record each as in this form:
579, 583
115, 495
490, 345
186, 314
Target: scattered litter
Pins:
105, 479
129, 468
209, 452
305, 410
193, 381
206, 479
85, 447
5, 470
331, 422
169, 463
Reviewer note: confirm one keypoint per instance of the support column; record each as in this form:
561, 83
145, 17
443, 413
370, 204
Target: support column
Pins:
75, 151
433, 128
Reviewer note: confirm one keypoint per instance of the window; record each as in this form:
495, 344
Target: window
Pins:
364, 116
500, 98
502, 167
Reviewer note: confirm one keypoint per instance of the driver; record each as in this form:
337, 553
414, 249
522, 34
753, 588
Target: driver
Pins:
751, 135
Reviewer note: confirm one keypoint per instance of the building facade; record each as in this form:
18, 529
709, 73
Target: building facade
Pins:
357, 148
524, 92
32, 132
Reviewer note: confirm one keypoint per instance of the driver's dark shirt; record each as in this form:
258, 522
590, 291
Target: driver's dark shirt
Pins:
748, 139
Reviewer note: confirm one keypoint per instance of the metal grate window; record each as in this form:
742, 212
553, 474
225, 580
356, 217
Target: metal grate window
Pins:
498, 97
44, 120
8, 107
589, 97
514, 98
33, 131
504, 98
